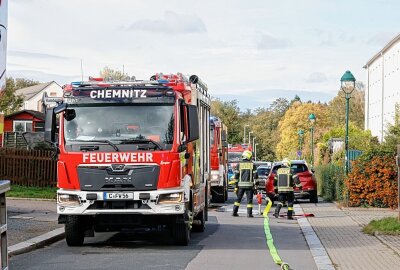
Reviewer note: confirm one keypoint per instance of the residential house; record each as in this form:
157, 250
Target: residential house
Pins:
23, 121
382, 94
33, 95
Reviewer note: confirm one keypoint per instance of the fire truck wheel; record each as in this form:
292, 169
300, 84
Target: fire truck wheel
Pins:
218, 196
200, 222
181, 232
74, 231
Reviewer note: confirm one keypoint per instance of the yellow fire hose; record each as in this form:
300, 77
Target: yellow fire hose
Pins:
270, 240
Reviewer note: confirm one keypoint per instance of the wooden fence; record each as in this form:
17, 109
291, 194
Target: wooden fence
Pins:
28, 167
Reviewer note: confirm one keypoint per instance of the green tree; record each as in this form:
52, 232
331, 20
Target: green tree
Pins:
337, 108
112, 74
229, 113
9, 101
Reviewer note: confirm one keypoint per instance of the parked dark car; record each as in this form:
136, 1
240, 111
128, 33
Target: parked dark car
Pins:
262, 172
306, 176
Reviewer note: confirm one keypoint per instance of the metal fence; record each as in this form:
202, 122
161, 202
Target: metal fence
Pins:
28, 167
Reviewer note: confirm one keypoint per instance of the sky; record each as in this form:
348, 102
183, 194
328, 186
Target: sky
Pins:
253, 51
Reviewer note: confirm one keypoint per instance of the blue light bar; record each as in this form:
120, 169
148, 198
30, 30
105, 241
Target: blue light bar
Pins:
162, 81
76, 83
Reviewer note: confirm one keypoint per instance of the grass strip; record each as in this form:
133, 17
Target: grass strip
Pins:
32, 192
389, 225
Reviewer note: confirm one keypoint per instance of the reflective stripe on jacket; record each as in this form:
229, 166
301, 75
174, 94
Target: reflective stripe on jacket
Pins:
246, 171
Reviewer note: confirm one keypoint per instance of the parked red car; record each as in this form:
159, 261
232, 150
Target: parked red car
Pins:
306, 176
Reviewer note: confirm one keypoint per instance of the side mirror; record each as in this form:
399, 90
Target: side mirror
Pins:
50, 126
193, 123
312, 170
182, 147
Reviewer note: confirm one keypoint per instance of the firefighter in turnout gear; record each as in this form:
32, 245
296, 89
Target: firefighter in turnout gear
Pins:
245, 175
285, 181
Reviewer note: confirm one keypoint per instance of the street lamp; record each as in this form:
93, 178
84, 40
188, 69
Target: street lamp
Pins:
255, 152
300, 133
253, 141
348, 83
244, 133
249, 137
312, 119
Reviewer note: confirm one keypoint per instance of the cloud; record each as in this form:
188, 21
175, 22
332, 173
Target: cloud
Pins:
37, 55
41, 76
172, 23
381, 39
268, 42
330, 38
317, 77
263, 98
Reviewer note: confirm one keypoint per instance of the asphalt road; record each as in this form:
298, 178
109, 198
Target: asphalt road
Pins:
227, 243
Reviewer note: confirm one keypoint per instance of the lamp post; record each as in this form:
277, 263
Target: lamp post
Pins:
300, 133
312, 119
253, 141
249, 137
348, 83
255, 152
244, 133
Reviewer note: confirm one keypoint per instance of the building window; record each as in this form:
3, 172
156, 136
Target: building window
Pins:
53, 94
22, 126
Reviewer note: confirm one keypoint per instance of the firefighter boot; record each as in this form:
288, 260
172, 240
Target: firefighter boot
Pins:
290, 213
235, 211
250, 212
277, 210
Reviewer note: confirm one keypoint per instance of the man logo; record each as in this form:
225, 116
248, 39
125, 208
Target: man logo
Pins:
117, 167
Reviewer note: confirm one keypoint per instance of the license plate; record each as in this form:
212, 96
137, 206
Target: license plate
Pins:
118, 196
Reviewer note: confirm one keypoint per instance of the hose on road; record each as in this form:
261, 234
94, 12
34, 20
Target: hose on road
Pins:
270, 240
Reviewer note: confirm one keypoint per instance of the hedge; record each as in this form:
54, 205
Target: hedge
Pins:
373, 182
330, 181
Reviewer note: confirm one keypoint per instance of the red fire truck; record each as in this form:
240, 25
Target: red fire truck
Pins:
219, 161
132, 154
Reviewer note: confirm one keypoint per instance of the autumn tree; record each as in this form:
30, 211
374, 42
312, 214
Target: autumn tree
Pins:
296, 118
112, 74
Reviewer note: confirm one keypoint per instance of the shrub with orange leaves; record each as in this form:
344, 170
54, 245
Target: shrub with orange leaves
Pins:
373, 181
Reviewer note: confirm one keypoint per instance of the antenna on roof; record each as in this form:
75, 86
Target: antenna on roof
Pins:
81, 70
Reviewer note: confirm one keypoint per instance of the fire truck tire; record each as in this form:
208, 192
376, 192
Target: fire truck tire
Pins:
181, 232
200, 224
74, 231
218, 196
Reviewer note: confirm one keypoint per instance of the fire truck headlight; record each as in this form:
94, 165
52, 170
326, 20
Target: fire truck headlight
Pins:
68, 199
170, 198
214, 177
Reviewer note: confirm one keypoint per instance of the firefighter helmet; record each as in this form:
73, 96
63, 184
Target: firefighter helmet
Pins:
286, 162
247, 155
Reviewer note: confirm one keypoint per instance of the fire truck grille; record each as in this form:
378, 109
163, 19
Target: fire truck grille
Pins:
118, 177
102, 205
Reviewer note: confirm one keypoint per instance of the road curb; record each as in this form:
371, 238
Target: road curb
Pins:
36, 242
30, 199
318, 251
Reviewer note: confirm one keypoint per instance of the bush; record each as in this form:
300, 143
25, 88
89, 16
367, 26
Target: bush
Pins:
373, 181
330, 181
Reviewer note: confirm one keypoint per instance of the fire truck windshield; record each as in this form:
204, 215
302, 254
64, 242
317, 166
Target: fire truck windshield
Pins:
121, 124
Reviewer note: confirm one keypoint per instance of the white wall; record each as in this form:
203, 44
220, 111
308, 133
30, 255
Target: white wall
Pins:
383, 90
35, 102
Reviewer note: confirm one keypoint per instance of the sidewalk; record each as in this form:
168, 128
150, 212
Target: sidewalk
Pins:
29, 218
347, 246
